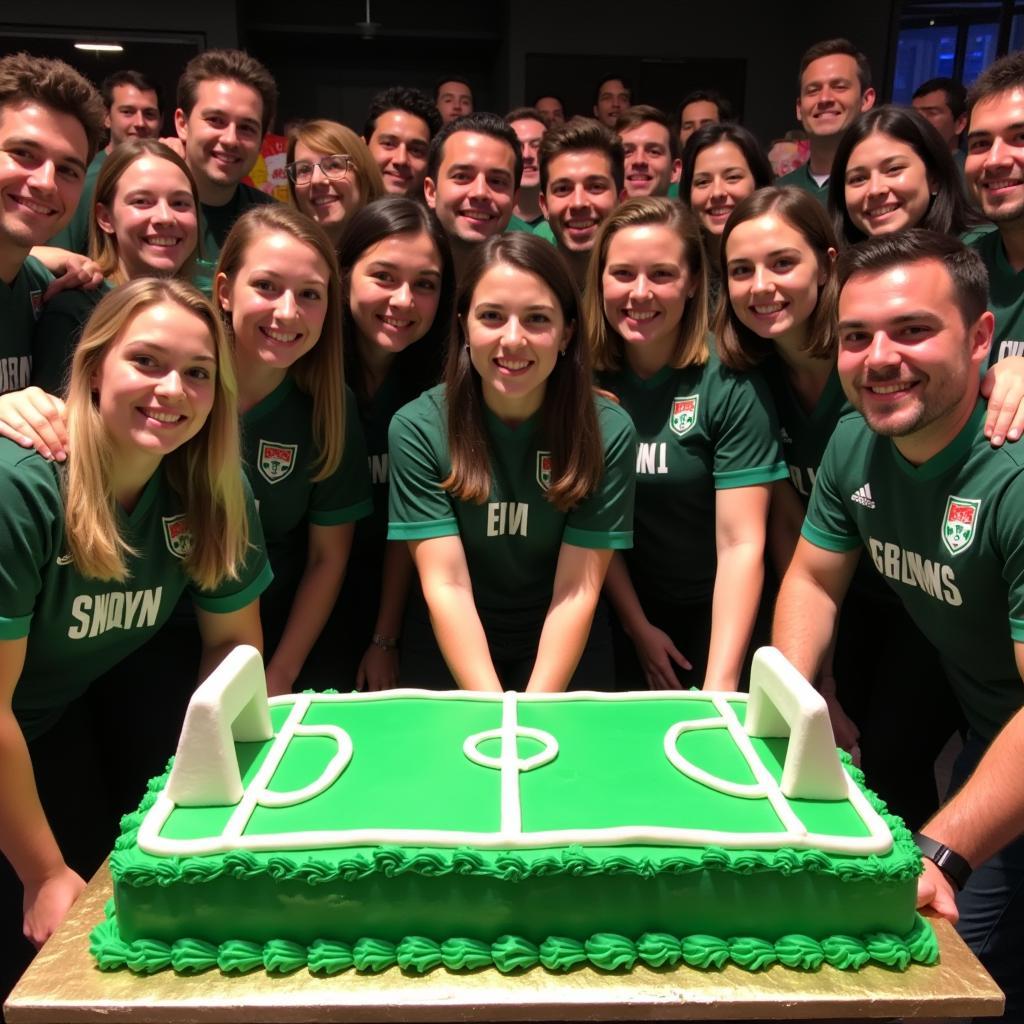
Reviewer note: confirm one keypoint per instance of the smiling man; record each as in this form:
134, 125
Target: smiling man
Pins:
914, 482
651, 151
473, 172
834, 86
994, 168
581, 178
399, 126
133, 112
226, 104
51, 122
529, 126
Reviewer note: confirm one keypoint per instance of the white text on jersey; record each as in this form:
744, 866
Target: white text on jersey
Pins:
118, 609
507, 517
651, 457
934, 578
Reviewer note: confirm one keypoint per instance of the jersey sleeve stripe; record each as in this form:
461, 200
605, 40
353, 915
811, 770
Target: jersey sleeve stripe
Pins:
730, 478
337, 516
448, 527
14, 628
598, 539
1017, 630
829, 541
222, 604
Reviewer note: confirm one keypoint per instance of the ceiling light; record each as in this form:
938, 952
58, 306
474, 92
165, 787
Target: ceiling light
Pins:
100, 47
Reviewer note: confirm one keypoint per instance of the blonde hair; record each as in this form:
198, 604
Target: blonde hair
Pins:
692, 344
331, 137
320, 372
204, 471
103, 246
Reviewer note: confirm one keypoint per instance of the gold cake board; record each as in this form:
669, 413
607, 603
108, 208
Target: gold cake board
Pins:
63, 986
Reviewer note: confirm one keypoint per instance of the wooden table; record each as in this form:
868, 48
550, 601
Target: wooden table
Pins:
63, 986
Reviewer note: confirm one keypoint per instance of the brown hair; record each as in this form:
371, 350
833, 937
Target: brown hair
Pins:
581, 133
319, 373
569, 414
1000, 76
204, 471
103, 245
738, 346
329, 137
24, 78
607, 346
835, 48
642, 113
235, 66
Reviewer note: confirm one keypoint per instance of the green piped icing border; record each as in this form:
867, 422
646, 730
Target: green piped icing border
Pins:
131, 866
416, 954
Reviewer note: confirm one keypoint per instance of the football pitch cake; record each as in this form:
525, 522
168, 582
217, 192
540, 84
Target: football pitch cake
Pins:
469, 830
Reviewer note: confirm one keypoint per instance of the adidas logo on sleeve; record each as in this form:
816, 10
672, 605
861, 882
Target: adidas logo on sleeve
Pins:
863, 496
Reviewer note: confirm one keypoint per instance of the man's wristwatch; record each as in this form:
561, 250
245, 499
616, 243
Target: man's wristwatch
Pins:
949, 862
385, 643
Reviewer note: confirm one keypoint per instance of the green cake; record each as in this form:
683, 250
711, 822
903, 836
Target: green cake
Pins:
464, 830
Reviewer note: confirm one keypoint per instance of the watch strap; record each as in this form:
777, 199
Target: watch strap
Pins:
948, 861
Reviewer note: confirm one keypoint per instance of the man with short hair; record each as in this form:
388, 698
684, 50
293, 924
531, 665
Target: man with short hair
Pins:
651, 150
473, 171
994, 169
550, 108
943, 102
529, 127
699, 108
399, 126
226, 104
914, 481
581, 178
132, 102
611, 97
51, 124
453, 98
833, 87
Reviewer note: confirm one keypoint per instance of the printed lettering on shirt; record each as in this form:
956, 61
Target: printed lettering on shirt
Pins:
959, 523
507, 517
908, 567
276, 461
863, 496
95, 614
15, 373
177, 535
684, 414
803, 479
544, 469
651, 458
1008, 348
378, 468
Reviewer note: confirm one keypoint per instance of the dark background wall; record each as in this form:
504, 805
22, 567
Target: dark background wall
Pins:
511, 49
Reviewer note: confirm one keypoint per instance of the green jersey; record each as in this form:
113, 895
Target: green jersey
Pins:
804, 434
700, 429
543, 230
57, 334
214, 224
1005, 297
78, 627
75, 234
529, 226
280, 456
21, 302
512, 539
801, 178
948, 537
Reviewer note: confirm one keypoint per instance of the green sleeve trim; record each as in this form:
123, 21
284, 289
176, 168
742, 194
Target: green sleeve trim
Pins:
1016, 630
16, 628
448, 527
337, 516
600, 539
232, 602
829, 541
730, 478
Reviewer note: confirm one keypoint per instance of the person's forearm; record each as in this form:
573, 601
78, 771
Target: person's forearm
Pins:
460, 635
988, 811
738, 580
804, 622
785, 516
562, 640
396, 579
623, 596
25, 836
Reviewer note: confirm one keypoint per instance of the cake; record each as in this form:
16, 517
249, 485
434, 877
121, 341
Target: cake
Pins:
464, 830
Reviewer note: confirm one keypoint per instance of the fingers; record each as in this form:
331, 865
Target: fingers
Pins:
1005, 420
677, 657
34, 419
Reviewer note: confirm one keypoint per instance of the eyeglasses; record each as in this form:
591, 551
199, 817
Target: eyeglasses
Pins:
335, 166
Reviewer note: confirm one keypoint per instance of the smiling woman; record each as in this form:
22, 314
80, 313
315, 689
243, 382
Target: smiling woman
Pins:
512, 484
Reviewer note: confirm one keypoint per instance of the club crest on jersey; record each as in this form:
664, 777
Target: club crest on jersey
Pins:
960, 523
36, 298
544, 469
178, 535
276, 461
684, 414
